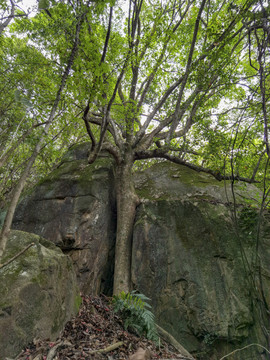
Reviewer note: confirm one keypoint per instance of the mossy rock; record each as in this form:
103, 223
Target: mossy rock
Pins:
168, 181
191, 260
39, 293
74, 207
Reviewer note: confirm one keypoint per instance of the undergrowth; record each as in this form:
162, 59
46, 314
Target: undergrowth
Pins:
135, 311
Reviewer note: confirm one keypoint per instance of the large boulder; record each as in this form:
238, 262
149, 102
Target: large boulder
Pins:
39, 293
207, 276
75, 208
203, 273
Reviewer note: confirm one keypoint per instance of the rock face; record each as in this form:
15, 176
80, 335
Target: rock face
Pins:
200, 273
74, 208
39, 293
207, 282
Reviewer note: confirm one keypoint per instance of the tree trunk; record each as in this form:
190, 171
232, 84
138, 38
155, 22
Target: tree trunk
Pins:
127, 201
15, 198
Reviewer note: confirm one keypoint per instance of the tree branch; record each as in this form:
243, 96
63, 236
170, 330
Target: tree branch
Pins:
150, 78
162, 154
17, 255
150, 117
10, 17
88, 128
166, 122
107, 36
185, 78
258, 165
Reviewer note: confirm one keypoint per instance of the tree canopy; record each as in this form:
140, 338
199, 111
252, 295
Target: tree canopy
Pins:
179, 80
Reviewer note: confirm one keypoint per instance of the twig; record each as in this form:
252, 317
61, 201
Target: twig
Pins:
17, 255
52, 352
243, 348
107, 349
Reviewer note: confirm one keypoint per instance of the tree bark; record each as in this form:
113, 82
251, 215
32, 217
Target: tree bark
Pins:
127, 200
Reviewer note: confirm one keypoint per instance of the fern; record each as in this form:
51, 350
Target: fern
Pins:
136, 314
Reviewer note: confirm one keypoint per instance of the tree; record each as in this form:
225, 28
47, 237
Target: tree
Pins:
151, 82
179, 60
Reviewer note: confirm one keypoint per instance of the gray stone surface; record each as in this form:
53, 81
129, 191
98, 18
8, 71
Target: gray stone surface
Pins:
188, 258
74, 208
39, 293
205, 280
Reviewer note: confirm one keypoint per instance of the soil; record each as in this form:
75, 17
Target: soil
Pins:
93, 334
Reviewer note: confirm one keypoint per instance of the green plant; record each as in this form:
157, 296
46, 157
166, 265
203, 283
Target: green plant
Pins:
248, 219
136, 314
209, 339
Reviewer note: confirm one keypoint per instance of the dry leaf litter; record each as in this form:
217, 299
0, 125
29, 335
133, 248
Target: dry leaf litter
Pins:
97, 333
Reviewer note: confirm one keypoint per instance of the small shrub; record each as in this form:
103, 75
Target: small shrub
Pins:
136, 314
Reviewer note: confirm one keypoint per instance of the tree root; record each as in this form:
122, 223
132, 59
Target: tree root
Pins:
243, 348
170, 339
107, 349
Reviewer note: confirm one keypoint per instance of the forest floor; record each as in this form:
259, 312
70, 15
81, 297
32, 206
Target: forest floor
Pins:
97, 333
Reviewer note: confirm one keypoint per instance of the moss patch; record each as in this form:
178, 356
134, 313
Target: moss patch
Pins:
78, 302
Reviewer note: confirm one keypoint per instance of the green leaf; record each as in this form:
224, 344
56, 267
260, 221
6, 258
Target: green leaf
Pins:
43, 4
